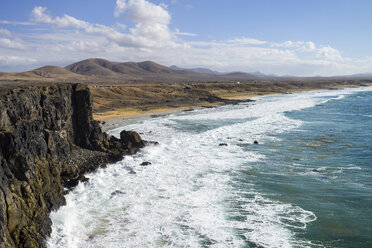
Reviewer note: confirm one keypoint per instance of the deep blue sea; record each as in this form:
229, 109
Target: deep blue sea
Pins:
308, 183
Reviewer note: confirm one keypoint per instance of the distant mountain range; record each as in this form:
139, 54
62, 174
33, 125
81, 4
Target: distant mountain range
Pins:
201, 70
101, 70
209, 71
362, 75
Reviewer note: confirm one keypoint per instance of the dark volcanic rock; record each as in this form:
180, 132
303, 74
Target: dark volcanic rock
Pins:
117, 192
131, 139
255, 142
145, 163
155, 143
48, 140
222, 144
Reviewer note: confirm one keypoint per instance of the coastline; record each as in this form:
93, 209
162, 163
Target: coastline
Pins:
121, 116
184, 154
111, 116
133, 112
75, 146
114, 118
163, 107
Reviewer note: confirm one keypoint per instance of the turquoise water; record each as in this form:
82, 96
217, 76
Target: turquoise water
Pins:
325, 166
308, 183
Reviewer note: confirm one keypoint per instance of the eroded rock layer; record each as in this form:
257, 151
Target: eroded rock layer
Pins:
48, 140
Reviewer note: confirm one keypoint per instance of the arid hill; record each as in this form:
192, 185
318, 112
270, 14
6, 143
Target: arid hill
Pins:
45, 73
56, 72
131, 71
101, 70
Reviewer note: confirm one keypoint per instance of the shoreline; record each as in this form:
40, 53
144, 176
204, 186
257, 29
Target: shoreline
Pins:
115, 118
129, 100
124, 116
111, 116
172, 161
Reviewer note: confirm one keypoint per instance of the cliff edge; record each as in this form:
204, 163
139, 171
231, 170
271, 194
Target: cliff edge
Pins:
48, 141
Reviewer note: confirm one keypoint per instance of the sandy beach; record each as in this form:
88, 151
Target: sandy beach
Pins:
111, 118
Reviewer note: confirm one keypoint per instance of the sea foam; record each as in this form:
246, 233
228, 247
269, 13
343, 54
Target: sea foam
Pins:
187, 196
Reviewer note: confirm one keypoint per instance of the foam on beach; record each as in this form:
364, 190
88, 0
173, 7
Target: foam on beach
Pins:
194, 193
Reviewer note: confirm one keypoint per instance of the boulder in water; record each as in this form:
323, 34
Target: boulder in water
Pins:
117, 192
131, 139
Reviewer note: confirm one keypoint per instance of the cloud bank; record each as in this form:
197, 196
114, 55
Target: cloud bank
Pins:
149, 37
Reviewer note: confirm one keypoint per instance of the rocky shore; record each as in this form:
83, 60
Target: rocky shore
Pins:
48, 141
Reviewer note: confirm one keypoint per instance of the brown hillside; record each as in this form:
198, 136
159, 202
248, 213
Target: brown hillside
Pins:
93, 67
101, 70
104, 70
56, 73
24, 76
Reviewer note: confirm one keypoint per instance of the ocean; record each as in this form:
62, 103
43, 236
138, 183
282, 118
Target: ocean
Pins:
307, 183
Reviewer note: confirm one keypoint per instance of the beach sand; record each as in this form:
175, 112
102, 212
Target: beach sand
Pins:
122, 104
125, 116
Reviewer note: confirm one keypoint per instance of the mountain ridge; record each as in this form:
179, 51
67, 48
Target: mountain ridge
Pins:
97, 70
102, 70
197, 69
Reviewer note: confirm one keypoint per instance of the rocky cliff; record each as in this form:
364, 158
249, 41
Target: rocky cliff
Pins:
48, 140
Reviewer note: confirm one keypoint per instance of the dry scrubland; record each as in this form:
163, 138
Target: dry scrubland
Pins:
136, 88
128, 99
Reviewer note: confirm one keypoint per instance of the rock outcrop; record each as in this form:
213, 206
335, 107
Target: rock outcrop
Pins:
48, 141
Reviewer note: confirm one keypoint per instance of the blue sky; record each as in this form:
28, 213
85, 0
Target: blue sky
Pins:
317, 37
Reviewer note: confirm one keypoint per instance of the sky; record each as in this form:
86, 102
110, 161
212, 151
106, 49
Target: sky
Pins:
282, 37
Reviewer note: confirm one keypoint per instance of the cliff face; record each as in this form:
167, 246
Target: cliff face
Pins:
48, 140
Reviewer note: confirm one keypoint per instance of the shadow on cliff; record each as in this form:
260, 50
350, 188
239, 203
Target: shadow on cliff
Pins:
48, 141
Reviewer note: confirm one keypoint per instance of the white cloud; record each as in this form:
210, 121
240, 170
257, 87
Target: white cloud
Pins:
142, 11
178, 32
6, 61
4, 32
121, 26
311, 49
16, 23
330, 53
248, 41
287, 44
11, 43
151, 29
149, 37
302, 46
121, 5
308, 47
83, 46
39, 14
69, 21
